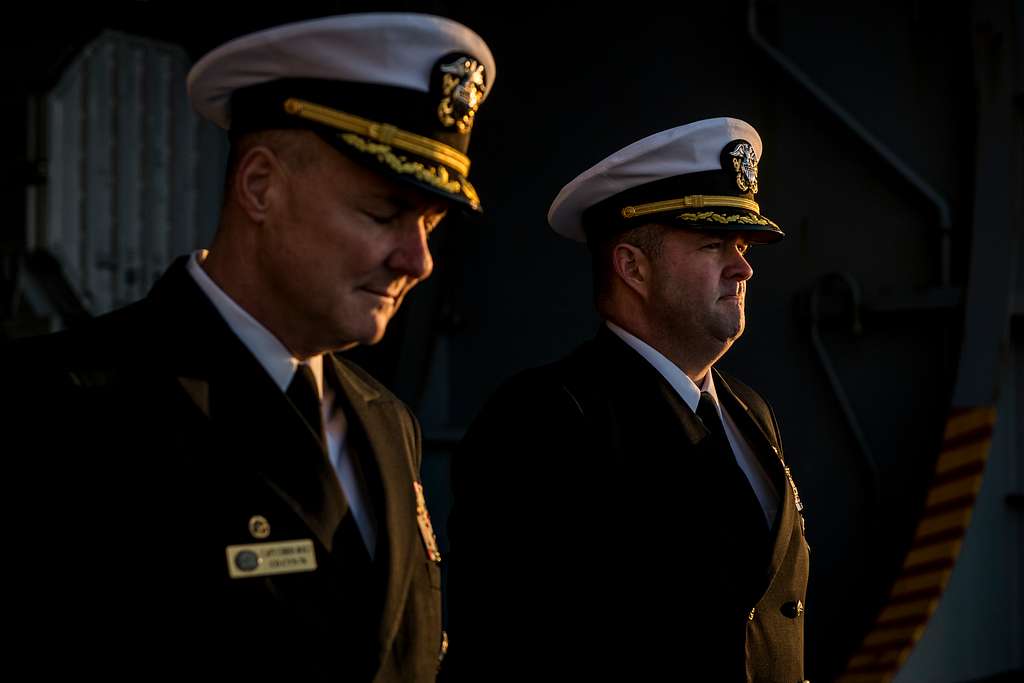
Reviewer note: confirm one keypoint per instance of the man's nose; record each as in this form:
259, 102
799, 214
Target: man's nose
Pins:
411, 255
739, 267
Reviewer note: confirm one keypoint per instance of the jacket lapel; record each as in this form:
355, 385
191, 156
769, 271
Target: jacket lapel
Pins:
641, 391
387, 442
256, 426
635, 379
247, 408
770, 456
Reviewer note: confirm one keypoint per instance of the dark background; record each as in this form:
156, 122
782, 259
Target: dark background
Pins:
855, 321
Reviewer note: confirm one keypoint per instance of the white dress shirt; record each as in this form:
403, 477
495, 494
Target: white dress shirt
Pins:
762, 484
281, 365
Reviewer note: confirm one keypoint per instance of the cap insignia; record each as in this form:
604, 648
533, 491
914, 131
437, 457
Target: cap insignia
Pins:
462, 87
744, 162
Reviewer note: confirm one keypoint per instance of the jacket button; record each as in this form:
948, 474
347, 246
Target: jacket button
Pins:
793, 609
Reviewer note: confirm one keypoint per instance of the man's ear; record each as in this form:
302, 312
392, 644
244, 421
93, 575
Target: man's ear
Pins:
632, 267
257, 174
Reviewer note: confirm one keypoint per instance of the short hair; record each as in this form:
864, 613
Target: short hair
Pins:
648, 238
293, 147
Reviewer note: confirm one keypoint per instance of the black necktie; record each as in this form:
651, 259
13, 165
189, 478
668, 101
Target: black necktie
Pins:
348, 542
740, 507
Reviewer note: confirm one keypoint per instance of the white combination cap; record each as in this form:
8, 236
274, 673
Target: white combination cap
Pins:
701, 176
397, 91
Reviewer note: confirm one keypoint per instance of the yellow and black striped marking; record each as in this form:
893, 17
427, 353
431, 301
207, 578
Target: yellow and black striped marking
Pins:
933, 552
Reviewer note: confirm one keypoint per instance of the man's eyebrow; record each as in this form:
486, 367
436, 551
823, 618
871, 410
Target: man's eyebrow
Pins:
392, 200
404, 204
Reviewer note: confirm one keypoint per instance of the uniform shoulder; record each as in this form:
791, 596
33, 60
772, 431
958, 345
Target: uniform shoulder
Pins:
564, 386
743, 390
362, 381
533, 383
757, 404
95, 347
530, 379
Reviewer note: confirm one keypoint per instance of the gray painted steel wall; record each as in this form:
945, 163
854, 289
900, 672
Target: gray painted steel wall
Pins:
133, 173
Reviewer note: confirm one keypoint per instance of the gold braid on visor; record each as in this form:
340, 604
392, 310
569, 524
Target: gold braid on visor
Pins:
691, 202
383, 133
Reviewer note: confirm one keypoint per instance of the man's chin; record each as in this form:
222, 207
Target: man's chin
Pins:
377, 334
730, 333
368, 337
372, 339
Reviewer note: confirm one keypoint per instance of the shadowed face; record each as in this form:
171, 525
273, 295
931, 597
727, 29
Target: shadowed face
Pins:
343, 247
698, 288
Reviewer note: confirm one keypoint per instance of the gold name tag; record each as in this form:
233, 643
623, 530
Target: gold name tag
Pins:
262, 559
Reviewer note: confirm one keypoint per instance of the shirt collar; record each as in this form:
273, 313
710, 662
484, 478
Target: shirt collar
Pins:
279, 363
677, 379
